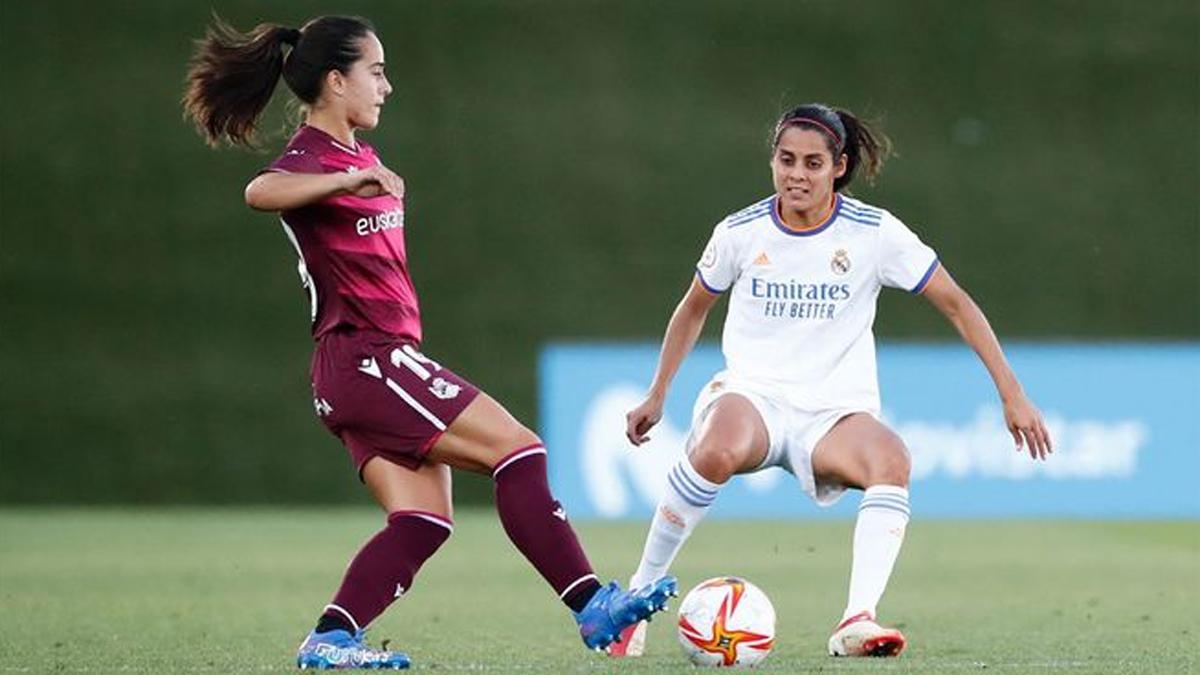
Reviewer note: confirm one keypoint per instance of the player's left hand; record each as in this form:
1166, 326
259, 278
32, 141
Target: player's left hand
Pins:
1025, 423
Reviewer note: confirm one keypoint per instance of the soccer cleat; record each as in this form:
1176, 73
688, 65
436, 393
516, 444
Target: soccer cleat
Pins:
861, 636
632, 641
337, 649
612, 610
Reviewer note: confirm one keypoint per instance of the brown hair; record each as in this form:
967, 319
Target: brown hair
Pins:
844, 134
232, 75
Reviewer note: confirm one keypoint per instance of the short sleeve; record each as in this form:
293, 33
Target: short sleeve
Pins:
905, 262
295, 160
717, 268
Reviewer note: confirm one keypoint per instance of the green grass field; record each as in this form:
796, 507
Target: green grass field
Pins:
234, 590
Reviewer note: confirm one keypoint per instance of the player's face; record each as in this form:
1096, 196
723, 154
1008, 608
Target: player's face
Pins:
804, 170
366, 86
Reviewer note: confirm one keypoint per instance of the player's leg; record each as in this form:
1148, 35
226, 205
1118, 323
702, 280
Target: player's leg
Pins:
486, 438
732, 438
861, 452
418, 506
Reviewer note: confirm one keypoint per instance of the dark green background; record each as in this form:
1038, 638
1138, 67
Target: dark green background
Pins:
565, 163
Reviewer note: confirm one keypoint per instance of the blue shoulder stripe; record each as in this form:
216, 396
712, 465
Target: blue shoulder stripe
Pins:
753, 207
860, 220
742, 220
863, 210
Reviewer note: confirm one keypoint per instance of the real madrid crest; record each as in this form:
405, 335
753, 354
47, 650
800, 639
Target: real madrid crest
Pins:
841, 262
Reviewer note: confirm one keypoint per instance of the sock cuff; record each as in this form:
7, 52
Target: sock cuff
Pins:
885, 497
517, 455
685, 465
690, 485
894, 490
439, 520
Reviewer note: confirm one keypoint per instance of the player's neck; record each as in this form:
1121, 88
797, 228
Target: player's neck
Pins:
335, 125
807, 220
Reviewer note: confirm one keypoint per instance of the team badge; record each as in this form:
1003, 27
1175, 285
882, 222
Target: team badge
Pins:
841, 262
443, 389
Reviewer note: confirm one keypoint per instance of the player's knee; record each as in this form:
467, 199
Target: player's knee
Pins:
513, 439
715, 462
523, 437
890, 465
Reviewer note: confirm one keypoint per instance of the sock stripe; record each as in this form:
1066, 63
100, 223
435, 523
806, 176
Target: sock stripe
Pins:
424, 515
515, 455
903, 503
688, 496
886, 507
344, 613
575, 583
682, 473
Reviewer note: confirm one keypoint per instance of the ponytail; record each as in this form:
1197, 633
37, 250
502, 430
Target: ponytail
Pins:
844, 134
865, 146
231, 79
232, 75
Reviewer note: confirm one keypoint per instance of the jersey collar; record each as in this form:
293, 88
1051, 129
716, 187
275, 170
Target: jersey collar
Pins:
833, 214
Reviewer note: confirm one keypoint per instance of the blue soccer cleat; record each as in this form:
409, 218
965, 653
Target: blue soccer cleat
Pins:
612, 610
342, 649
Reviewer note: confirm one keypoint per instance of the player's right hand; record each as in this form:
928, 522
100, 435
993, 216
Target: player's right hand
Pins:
375, 181
640, 420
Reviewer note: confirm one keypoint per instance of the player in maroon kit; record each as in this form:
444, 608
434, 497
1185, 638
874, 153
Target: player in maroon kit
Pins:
405, 419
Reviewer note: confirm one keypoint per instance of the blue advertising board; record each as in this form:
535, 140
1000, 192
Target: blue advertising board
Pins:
1125, 419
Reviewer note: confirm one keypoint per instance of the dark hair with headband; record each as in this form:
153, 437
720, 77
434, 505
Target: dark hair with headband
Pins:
844, 134
232, 75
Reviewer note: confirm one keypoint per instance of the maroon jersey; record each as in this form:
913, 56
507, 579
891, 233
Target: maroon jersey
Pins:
352, 255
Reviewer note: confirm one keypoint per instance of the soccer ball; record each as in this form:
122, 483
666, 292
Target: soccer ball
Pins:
726, 621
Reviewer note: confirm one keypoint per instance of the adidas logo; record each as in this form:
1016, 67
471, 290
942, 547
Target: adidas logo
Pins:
762, 259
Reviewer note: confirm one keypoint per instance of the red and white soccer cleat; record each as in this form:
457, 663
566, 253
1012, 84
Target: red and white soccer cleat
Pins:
632, 642
861, 636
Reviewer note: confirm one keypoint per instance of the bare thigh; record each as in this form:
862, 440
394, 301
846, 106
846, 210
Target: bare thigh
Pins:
399, 488
481, 436
732, 439
860, 451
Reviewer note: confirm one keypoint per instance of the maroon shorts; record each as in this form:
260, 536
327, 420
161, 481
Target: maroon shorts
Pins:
382, 397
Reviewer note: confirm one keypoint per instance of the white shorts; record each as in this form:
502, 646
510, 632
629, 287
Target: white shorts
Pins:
792, 432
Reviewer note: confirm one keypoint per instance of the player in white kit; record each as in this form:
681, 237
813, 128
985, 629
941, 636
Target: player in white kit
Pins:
803, 269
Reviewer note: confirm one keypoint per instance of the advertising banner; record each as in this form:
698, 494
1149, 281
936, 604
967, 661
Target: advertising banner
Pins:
1125, 421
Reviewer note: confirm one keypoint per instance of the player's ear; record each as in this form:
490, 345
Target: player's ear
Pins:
839, 169
335, 82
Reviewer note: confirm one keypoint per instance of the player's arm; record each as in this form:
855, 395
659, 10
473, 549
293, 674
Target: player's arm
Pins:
277, 191
682, 331
1020, 414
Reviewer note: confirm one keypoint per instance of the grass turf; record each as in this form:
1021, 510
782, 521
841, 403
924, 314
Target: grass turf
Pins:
234, 590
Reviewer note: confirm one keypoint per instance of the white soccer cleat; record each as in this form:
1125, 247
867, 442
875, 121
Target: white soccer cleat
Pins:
861, 636
632, 642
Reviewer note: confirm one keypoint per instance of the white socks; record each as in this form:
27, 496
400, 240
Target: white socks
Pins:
683, 505
878, 534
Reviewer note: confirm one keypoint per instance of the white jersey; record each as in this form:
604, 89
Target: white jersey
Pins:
802, 303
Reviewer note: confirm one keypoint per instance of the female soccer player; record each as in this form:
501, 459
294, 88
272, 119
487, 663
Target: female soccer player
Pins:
405, 418
804, 267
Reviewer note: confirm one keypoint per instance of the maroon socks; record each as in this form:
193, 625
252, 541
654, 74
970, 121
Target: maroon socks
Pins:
384, 568
537, 525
